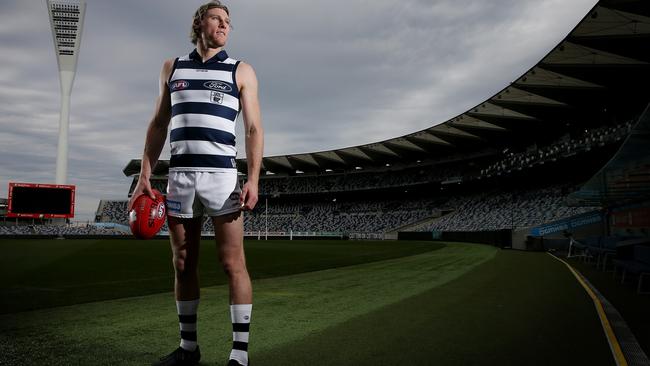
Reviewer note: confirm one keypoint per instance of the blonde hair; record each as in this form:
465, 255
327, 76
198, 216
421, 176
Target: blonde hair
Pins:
200, 13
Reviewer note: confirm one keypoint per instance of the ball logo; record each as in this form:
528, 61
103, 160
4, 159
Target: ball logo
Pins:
218, 86
161, 209
156, 213
179, 85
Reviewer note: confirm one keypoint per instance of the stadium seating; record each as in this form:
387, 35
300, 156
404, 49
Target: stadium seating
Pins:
358, 181
348, 217
59, 230
470, 213
639, 264
113, 211
505, 210
564, 147
603, 250
477, 212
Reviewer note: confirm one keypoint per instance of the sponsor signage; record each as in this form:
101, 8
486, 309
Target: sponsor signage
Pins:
567, 224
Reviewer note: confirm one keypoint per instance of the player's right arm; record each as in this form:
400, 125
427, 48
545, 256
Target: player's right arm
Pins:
156, 134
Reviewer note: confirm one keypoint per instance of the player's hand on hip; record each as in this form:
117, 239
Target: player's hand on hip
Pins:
248, 198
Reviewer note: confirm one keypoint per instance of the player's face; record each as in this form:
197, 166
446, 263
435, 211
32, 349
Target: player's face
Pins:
215, 28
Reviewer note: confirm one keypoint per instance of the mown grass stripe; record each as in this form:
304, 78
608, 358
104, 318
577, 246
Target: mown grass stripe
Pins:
67, 272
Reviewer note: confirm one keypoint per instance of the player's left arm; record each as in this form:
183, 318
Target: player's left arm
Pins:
247, 82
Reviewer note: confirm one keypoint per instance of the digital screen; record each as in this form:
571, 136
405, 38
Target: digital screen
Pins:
34, 200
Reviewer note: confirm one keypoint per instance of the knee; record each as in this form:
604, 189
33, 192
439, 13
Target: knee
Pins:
182, 266
233, 266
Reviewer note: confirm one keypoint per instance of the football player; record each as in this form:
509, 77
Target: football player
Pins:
201, 95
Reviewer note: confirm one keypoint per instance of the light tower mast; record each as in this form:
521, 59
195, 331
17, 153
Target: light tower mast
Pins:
66, 19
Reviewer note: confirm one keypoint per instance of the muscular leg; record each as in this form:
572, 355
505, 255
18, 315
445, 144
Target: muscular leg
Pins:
185, 235
229, 234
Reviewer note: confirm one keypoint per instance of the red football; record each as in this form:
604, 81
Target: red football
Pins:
147, 216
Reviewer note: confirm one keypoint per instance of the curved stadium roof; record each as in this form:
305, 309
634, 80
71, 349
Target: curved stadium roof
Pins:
593, 75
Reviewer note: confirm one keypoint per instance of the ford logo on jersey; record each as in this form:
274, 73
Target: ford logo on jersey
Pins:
179, 85
217, 85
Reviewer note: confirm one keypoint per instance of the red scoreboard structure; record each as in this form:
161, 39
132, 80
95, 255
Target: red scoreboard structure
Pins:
36, 200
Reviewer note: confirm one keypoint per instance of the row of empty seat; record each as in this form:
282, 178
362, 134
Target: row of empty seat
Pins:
625, 257
505, 210
476, 212
565, 146
59, 230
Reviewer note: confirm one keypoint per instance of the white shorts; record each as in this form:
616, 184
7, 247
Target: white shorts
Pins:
194, 194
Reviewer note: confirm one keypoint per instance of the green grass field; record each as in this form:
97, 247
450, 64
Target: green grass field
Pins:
315, 303
46, 273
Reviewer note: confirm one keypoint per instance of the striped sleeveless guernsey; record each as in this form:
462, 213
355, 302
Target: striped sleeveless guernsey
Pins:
205, 104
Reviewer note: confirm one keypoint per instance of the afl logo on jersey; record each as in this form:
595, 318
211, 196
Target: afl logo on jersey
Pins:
179, 85
218, 86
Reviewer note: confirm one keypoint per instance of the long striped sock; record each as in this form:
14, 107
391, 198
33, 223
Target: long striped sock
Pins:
187, 320
241, 318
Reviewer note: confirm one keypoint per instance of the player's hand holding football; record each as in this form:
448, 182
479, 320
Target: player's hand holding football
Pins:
248, 198
143, 186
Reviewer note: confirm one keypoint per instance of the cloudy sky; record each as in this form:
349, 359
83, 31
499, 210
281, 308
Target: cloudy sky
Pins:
332, 74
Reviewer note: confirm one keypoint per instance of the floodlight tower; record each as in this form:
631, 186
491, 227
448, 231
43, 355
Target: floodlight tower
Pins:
67, 20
